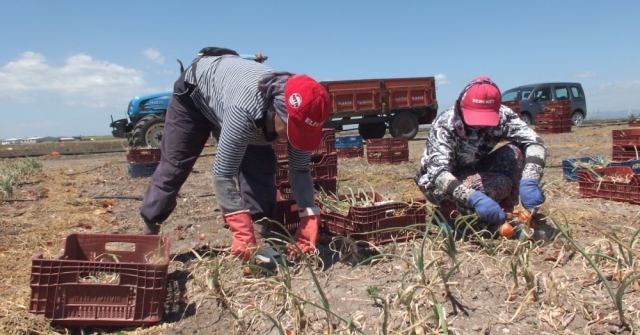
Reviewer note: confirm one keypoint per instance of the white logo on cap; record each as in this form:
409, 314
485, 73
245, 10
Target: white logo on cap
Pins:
481, 101
295, 100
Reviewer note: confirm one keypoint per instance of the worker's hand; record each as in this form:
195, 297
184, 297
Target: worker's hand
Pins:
530, 194
486, 208
306, 235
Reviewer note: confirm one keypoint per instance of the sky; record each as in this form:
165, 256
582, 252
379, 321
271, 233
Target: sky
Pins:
67, 67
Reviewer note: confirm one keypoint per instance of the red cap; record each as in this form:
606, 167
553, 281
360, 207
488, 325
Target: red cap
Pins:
308, 108
480, 104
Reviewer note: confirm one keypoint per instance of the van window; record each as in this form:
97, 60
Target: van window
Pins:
576, 92
562, 93
543, 94
525, 94
510, 95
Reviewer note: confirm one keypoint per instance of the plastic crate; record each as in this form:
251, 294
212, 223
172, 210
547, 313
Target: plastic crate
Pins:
634, 164
287, 215
634, 123
393, 157
60, 291
285, 192
564, 120
350, 152
322, 167
625, 152
569, 169
361, 222
135, 156
345, 142
142, 169
558, 106
387, 144
327, 145
624, 187
626, 137
514, 105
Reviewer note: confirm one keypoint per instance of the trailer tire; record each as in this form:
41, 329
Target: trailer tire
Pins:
372, 130
148, 132
404, 124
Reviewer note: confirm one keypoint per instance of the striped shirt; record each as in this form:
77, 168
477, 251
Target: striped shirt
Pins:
228, 96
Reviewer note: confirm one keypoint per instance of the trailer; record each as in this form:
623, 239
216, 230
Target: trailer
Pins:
375, 105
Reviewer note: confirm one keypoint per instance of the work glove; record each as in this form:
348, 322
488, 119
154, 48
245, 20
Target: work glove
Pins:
244, 239
486, 208
530, 194
306, 235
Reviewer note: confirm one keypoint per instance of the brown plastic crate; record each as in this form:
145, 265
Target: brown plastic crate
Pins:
59, 293
626, 137
340, 226
393, 157
287, 215
514, 105
135, 156
327, 145
558, 106
285, 192
634, 123
625, 152
553, 118
321, 167
387, 144
623, 186
350, 152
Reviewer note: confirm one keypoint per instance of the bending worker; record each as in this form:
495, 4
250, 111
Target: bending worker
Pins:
460, 170
252, 105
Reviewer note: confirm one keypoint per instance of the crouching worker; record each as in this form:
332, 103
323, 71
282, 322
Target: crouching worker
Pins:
460, 170
252, 105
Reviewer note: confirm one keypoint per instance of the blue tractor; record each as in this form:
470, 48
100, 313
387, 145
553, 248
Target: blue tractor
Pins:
145, 115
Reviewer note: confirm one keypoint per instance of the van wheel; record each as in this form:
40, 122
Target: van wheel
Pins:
526, 118
577, 118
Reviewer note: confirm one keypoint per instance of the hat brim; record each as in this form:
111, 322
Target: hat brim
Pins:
303, 136
481, 117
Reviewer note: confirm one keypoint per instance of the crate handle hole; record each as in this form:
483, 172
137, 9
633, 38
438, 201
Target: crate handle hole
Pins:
120, 246
99, 278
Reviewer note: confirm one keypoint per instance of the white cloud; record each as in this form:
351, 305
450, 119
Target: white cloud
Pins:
82, 80
583, 74
441, 79
154, 55
614, 96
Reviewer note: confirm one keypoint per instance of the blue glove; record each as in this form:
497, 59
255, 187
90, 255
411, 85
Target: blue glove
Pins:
486, 208
530, 194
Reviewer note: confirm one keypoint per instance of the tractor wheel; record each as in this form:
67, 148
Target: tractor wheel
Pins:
148, 132
404, 124
372, 130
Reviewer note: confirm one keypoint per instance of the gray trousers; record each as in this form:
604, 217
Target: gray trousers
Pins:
185, 134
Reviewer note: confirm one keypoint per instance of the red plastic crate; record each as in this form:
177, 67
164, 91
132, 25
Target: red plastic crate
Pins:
135, 156
350, 152
626, 137
634, 123
559, 106
327, 145
362, 222
322, 167
387, 144
514, 105
394, 157
553, 118
285, 192
590, 187
59, 292
287, 215
625, 152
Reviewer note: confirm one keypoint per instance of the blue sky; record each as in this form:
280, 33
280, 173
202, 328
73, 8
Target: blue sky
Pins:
66, 66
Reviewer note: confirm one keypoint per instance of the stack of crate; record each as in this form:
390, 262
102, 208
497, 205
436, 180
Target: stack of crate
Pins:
349, 146
142, 162
324, 172
514, 105
388, 150
626, 144
555, 118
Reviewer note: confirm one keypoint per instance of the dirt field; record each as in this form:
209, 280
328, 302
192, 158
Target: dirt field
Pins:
557, 292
